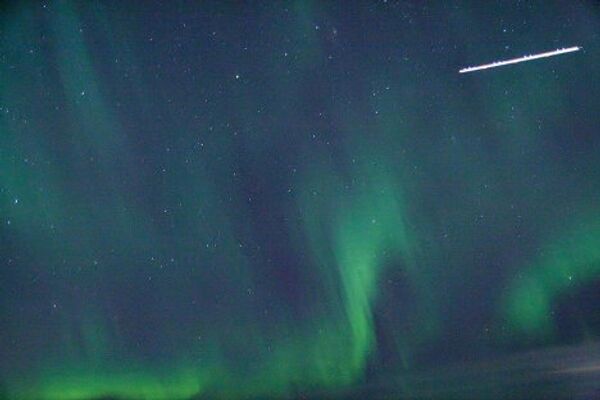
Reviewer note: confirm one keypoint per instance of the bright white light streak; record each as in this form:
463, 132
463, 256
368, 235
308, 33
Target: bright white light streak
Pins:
521, 59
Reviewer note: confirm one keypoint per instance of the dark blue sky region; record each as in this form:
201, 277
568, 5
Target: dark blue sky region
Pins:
296, 198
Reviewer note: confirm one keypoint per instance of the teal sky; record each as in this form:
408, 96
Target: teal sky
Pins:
277, 200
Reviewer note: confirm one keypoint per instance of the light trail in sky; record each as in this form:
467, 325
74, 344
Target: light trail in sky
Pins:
521, 59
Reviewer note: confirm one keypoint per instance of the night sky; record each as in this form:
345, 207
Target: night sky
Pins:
295, 198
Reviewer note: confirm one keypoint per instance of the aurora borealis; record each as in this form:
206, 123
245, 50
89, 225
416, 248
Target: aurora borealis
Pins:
273, 200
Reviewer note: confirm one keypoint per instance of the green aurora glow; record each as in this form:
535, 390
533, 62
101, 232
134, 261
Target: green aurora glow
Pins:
275, 223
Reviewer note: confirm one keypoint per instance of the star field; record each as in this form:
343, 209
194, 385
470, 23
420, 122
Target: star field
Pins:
297, 200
